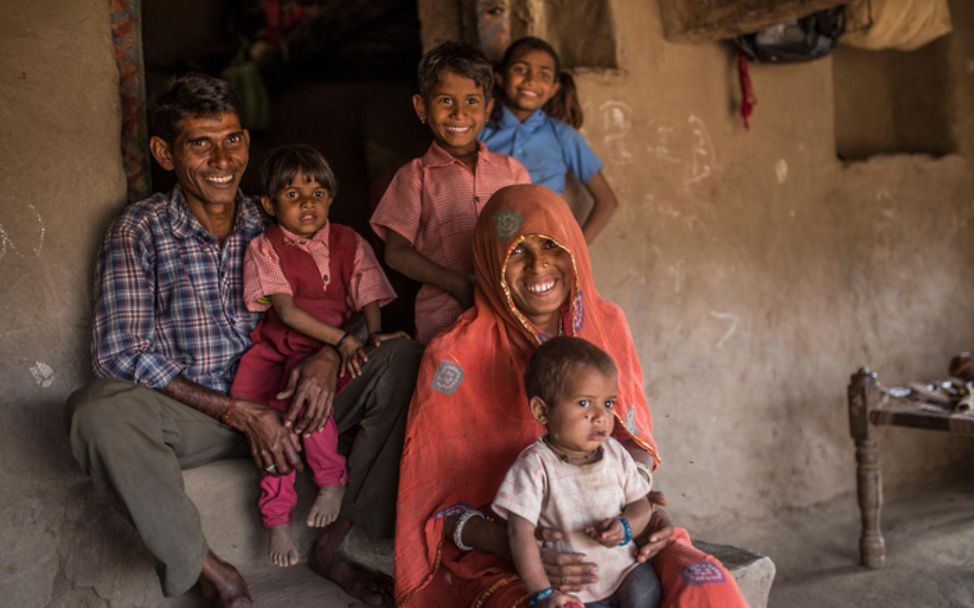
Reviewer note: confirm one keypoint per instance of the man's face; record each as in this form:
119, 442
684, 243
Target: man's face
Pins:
209, 156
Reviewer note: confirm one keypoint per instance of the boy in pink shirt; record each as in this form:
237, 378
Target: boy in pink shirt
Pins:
427, 214
310, 275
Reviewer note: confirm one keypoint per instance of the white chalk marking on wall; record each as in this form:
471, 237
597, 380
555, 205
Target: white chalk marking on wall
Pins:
676, 272
7, 245
781, 170
42, 373
40, 222
617, 121
660, 147
729, 317
703, 156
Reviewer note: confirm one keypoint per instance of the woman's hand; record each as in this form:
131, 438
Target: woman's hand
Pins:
608, 532
567, 572
658, 534
353, 356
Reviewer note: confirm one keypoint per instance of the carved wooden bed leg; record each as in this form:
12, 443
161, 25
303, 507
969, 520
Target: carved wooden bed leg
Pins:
864, 394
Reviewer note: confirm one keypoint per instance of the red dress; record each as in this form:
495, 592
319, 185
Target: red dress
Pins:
265, 368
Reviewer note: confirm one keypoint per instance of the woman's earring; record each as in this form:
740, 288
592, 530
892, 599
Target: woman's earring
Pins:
422, 120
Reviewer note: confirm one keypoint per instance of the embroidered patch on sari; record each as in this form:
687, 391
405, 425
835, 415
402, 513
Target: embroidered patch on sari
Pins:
702, 573
506, 224
579, 317
448, 377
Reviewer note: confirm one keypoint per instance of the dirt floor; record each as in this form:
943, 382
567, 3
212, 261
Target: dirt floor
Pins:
929, 533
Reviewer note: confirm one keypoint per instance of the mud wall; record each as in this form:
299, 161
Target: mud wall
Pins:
61, 182
761, 270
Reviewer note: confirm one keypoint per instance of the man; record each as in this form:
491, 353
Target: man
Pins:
169, 327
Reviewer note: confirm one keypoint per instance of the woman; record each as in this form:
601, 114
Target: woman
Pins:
469, 418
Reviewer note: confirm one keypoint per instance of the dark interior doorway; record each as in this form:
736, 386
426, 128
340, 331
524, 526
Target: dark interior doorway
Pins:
334, 74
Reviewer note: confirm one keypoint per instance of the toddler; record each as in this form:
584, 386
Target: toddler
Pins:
427, 214
577, 479
536, 97
310, 276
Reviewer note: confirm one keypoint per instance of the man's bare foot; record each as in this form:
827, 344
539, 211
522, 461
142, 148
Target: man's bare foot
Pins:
222, 584
364, 584
326, 507
283, 552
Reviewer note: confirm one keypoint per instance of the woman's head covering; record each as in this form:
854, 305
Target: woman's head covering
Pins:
469, 417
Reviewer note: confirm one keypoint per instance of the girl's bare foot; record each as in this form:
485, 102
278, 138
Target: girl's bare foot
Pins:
283, 551
326, 507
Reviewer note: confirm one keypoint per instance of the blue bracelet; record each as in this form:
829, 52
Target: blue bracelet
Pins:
541, 596
627, 528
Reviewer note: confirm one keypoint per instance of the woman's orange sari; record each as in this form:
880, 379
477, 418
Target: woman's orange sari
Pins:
469, 417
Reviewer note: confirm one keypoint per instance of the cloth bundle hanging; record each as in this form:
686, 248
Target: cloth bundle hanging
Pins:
895, 24
801, 39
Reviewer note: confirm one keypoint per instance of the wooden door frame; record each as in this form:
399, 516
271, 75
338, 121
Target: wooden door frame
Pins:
126, 20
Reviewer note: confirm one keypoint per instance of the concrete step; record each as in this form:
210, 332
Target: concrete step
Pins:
226, 493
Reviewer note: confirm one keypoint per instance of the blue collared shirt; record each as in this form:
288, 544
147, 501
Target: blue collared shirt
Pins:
169, 298
548, 148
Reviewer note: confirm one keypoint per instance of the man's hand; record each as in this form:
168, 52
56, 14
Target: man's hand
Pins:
311, 389
658, 534
271, 444
568, 572
608, 532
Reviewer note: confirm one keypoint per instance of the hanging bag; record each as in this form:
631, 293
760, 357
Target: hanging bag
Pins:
801, 39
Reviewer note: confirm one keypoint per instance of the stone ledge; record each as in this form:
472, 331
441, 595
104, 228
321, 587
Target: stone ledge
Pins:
754, 573
226, 494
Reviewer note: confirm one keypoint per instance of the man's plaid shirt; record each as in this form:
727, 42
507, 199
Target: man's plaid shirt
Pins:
169, 299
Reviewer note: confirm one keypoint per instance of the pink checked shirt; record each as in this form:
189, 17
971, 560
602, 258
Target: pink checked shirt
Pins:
263, 275
433, 202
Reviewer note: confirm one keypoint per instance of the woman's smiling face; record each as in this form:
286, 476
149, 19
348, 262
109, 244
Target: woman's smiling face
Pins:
539, 274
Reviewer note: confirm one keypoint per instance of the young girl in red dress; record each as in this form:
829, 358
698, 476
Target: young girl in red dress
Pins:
310, 275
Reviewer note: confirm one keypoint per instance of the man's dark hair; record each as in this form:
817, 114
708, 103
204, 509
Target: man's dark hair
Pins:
283, 163
557, 361
193, 94
456, 57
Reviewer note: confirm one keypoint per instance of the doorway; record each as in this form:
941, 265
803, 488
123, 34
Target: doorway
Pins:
336, 75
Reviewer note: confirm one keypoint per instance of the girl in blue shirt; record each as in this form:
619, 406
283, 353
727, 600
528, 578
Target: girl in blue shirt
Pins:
536, 123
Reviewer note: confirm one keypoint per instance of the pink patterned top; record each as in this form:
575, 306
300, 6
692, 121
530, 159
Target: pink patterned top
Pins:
263, 275
433, 202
